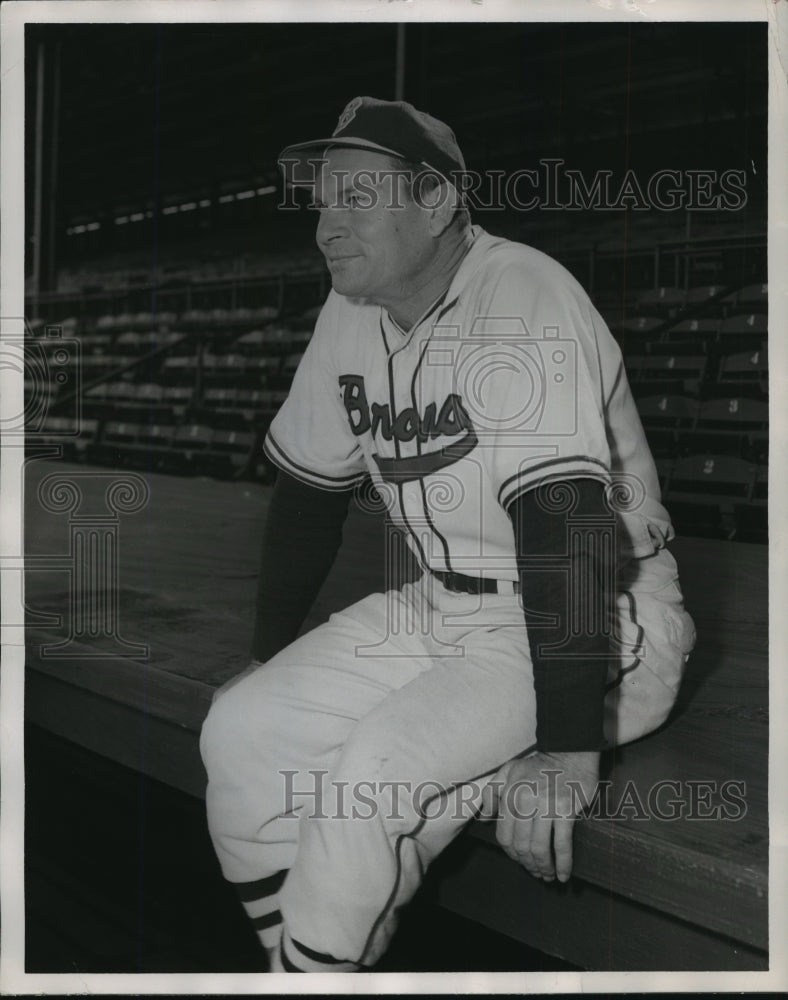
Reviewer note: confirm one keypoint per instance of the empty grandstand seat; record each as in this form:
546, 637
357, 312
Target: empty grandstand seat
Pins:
150, 392
724, 425
704, 493
664, 419
155, 439
664, 466
635, 333
745, 368
84, 442
290, 363
196, 317
98, 343
702, 295
298, 340
752, 520
221, 398
262, 367
664, 301
178, 395
251, 343
744, 330
192, 437
233, 448
753, 298
758, 447
687, 370
229, 365
179, 369
693, 329
264, 314
679, 345
118, 439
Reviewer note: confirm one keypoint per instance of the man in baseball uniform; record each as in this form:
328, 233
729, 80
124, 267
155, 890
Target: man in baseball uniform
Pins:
472, 380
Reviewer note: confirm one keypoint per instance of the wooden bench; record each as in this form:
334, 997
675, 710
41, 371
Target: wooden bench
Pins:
649, 893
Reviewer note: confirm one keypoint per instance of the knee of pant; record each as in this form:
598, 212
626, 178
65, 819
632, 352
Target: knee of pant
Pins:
371, 754
236, 719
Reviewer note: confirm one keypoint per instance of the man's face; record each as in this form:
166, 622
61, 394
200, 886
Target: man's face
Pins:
375, 239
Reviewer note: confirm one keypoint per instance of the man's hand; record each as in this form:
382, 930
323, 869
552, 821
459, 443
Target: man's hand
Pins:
537, 799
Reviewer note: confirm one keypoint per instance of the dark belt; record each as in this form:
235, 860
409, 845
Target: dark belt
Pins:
459, 583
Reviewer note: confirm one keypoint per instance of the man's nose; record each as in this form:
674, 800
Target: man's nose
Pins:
331, 225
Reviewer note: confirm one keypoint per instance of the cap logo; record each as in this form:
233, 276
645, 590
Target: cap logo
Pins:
348, 115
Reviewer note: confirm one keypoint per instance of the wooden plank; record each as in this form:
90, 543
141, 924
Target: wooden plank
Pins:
142, 741
580, 922
146, 689
719, 895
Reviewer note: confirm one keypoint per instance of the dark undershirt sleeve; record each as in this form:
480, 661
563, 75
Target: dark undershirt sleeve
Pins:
301, 538
570, 678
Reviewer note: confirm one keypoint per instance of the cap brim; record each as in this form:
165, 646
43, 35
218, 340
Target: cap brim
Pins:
298, 160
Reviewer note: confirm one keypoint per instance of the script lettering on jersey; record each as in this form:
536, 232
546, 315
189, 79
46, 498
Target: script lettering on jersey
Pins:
451, 420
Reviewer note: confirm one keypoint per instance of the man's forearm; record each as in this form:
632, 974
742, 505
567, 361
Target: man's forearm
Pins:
569, 681
301, 538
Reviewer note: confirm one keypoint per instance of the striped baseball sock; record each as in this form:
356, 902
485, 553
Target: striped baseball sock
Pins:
297, 957
260, 900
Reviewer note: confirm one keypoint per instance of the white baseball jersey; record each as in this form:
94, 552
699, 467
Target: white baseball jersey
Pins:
510, 380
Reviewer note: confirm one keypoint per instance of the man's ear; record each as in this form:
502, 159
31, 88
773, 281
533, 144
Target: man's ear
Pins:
441, 203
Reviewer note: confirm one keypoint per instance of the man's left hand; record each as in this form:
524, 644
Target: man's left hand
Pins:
537, 799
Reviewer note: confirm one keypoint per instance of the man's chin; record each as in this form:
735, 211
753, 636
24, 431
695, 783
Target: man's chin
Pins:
349, 289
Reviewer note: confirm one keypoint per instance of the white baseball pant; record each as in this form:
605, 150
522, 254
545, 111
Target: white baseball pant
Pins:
341, 768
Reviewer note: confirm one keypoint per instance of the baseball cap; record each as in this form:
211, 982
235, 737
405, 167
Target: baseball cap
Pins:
393, 127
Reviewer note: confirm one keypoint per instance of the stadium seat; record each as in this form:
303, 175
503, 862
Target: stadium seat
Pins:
231, 450
701, 296
178, 396
664, 419
192, 437
662, 301
290, 363
687, 370
179, 369
753, 298
154, 443
265, 314
664, 467
744, 330
693, 329
260, 367
150, 392
704, 492
752, 518
748, 368
118, 440
220, 399
187, 447
723, 425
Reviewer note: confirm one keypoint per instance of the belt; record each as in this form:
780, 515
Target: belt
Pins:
459, 583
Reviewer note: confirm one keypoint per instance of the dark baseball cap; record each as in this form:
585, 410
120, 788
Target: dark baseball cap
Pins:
393, 127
